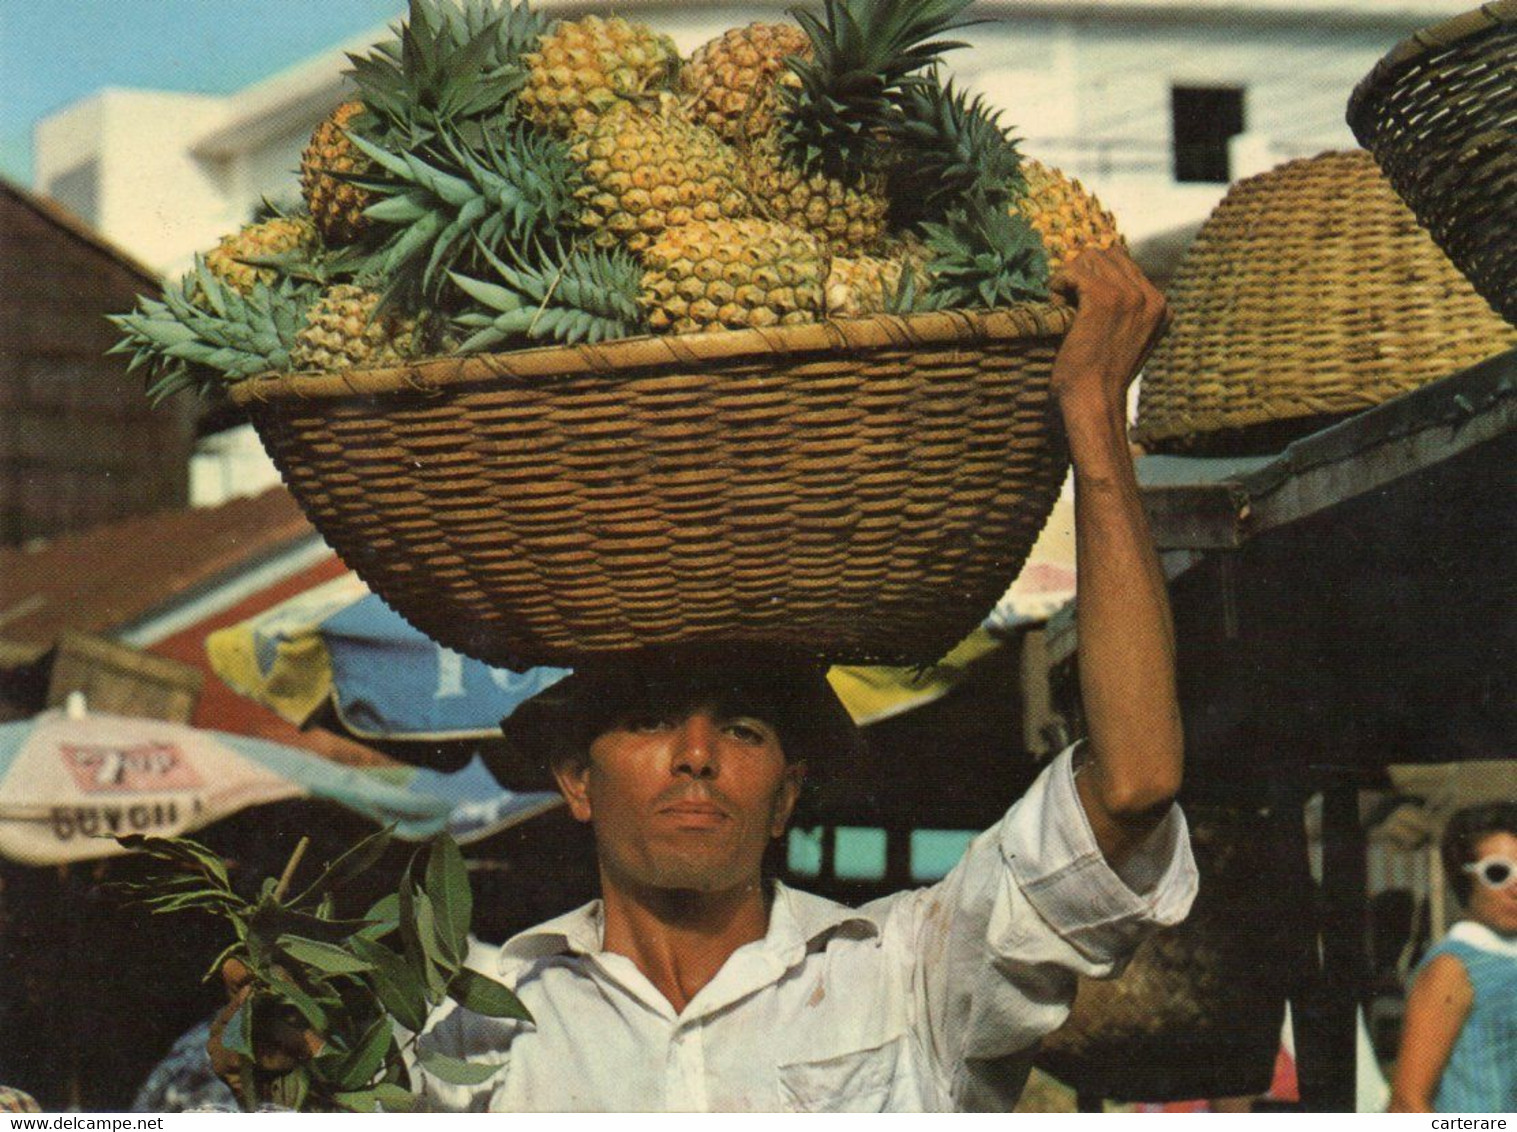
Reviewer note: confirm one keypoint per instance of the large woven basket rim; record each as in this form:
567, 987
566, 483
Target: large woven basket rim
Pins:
673, 352
1437, 37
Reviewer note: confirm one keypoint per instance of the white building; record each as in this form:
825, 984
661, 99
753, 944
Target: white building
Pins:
1156, 104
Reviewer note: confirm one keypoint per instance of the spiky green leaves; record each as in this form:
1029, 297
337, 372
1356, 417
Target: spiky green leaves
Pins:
447, 66
579, 296
948, 148
517, 187
984, 256
863, 51
204, 333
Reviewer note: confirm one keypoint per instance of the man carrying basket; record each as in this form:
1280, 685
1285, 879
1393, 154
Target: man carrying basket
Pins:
695, 984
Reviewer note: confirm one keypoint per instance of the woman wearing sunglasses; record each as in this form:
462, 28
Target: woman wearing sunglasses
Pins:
1459, 1038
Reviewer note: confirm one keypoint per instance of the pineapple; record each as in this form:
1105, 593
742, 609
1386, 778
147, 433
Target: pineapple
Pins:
581, 68
948, 147
727, 80
228, 260
516, 187
849, 214
336, 205
1065, 215
985, 255
733, 273
347, 329
580, 296
449, 68
649, 169
824, 163
205, 333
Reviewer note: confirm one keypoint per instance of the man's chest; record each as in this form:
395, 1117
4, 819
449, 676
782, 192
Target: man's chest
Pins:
826, 1036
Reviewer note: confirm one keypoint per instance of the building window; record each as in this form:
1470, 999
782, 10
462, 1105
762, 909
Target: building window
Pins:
934, 852
1205, 119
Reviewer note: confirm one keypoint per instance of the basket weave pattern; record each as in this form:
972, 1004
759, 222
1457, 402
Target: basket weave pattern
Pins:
1310, 291
1440, 115
862, 491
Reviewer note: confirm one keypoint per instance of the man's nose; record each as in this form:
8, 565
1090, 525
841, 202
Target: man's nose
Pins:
695, 746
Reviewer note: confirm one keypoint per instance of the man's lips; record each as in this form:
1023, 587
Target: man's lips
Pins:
694, 812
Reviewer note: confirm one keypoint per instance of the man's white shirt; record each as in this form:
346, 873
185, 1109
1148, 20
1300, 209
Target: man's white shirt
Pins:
928, 1000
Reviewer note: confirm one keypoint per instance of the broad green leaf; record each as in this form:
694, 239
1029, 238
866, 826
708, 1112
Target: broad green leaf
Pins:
383, 918
325, 957
402, 992
417, 934
356, 1068
309, 1008
454, 1071
237, 1036
484, 995
290, 1090
387, 1098
447, 886
440, 966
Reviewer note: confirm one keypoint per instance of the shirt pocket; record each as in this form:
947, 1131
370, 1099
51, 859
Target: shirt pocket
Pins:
856, 1081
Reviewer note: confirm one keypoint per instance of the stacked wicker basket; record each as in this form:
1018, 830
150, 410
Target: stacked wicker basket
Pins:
1310, 293
1439, 112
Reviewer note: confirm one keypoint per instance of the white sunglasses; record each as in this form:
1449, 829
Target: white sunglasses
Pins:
1494, 872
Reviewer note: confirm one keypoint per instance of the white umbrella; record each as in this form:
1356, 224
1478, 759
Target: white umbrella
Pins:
71, 782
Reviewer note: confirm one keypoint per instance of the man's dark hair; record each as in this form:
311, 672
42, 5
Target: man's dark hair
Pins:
557, 726
1466, 829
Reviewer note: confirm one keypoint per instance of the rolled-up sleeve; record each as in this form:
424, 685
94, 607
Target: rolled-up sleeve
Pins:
1049, 848
995, 948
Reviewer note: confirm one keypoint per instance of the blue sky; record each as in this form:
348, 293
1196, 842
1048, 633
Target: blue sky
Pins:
53, 52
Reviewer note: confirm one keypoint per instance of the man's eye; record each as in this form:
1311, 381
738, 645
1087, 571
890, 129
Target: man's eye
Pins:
751, 733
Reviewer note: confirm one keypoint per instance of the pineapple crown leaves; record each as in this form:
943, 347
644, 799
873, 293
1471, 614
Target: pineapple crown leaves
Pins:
581, 296
953, 147
517, 186
204, 333
338, 977
445, 66
862, 53
985, 256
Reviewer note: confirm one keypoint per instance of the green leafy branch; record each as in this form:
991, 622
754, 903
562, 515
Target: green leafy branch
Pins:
363, 987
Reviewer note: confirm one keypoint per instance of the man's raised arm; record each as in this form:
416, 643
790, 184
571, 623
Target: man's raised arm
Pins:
1135, 751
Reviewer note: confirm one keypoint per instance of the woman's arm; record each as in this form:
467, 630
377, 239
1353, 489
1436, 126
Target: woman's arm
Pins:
1436, 1010
1127, 646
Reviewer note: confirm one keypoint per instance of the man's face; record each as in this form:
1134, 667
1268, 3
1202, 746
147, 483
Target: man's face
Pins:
685, 800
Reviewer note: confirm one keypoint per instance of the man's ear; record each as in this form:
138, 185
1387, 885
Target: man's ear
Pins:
574, 784
790, 792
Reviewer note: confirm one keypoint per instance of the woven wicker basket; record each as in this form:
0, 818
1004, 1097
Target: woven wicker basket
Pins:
859, 491
1309, 293
1440, 115
1197, 1013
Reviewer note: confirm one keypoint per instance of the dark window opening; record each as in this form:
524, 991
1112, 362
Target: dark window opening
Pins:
1205, 119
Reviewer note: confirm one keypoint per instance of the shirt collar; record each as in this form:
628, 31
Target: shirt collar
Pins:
796, 920
1480, 936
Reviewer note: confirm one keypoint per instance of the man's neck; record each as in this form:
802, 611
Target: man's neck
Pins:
679, 938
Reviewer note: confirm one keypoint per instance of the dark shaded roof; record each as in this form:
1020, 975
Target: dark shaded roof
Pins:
114, 574
80, 230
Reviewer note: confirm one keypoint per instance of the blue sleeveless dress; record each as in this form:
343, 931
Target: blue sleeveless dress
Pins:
1481, 1075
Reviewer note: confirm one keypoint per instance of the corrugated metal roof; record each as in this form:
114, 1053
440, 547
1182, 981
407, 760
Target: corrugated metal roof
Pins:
116, 574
